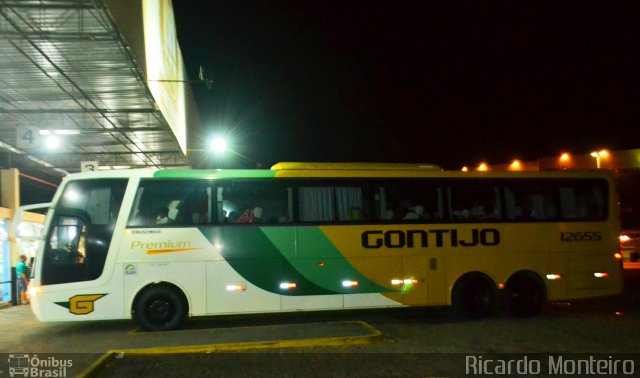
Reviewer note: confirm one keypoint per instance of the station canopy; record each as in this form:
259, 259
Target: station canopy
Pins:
69, 78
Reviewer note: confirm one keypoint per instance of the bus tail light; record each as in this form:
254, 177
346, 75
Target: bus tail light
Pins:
405, 281
601, 274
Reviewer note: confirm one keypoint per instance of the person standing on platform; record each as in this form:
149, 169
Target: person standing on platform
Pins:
22, 276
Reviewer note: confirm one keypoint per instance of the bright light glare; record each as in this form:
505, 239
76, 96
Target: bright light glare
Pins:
34, 290
601, 274
553, 276
625, 238
564, 156
218, 145
72, 195
349, 283
465, 169
483, 167
516, 164
406, 281
236, 288
52, 142
287, 285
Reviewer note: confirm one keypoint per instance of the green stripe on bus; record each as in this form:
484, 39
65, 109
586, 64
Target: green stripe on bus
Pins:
319, 260
248, 250
214, 173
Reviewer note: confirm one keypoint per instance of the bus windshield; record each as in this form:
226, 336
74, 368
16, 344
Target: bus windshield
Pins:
80, 233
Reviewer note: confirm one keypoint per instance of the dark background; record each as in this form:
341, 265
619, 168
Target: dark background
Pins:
448, 82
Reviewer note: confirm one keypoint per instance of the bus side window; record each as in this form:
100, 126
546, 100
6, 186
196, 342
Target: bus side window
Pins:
245, 202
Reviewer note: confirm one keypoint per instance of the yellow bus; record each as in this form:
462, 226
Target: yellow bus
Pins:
163, 245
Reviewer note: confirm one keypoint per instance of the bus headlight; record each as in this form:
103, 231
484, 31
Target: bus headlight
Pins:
34, 290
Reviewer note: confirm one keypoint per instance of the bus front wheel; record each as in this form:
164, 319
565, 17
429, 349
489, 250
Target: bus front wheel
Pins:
473, 296
523, 296
160, 308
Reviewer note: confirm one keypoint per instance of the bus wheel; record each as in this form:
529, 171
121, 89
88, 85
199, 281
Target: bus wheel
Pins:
473, 296
160, 308
523, 296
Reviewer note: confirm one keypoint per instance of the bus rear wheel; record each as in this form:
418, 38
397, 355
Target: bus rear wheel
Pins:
474, 297
523, 296
160, 308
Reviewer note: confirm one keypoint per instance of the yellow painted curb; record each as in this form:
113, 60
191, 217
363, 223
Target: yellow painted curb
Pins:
95, 367
374, 336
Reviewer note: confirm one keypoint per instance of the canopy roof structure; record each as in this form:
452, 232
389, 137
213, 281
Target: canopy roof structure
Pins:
66, 71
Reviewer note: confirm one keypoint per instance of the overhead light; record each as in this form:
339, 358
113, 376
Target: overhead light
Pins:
218, 145
52, 142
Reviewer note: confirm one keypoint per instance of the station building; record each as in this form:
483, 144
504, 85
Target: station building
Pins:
86, 85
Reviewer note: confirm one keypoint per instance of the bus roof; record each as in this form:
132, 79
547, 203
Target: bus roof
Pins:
355, 166
334, 170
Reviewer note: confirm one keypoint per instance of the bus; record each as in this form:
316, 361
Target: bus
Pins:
160, 246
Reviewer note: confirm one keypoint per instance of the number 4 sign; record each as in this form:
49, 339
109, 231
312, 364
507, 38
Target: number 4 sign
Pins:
28, 137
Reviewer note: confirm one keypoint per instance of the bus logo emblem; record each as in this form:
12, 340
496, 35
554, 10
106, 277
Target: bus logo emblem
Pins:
81, 304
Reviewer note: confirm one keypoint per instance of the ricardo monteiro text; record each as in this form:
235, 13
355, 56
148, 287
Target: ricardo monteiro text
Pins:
555, 365
430, 238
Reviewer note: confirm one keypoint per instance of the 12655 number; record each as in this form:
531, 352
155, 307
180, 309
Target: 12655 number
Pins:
580, 236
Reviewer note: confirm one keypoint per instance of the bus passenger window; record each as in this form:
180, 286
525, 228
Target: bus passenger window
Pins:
171, 202
405, 200
332, 204
254, 201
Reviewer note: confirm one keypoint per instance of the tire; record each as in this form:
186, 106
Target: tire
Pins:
523, 296
160, 308
474, 297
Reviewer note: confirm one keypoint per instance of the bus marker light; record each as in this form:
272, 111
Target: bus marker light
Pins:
321, 264
601, 274
618, 255
554, 276
501, 285
406, 281
287, 285
236, 288
349, 283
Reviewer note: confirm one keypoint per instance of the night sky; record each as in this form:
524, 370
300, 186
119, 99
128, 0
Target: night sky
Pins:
449, 83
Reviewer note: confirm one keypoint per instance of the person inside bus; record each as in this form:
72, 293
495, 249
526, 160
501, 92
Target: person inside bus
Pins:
163, 216
231, 218
246, 216
488, 212
461, 212
251, 215
414, 213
